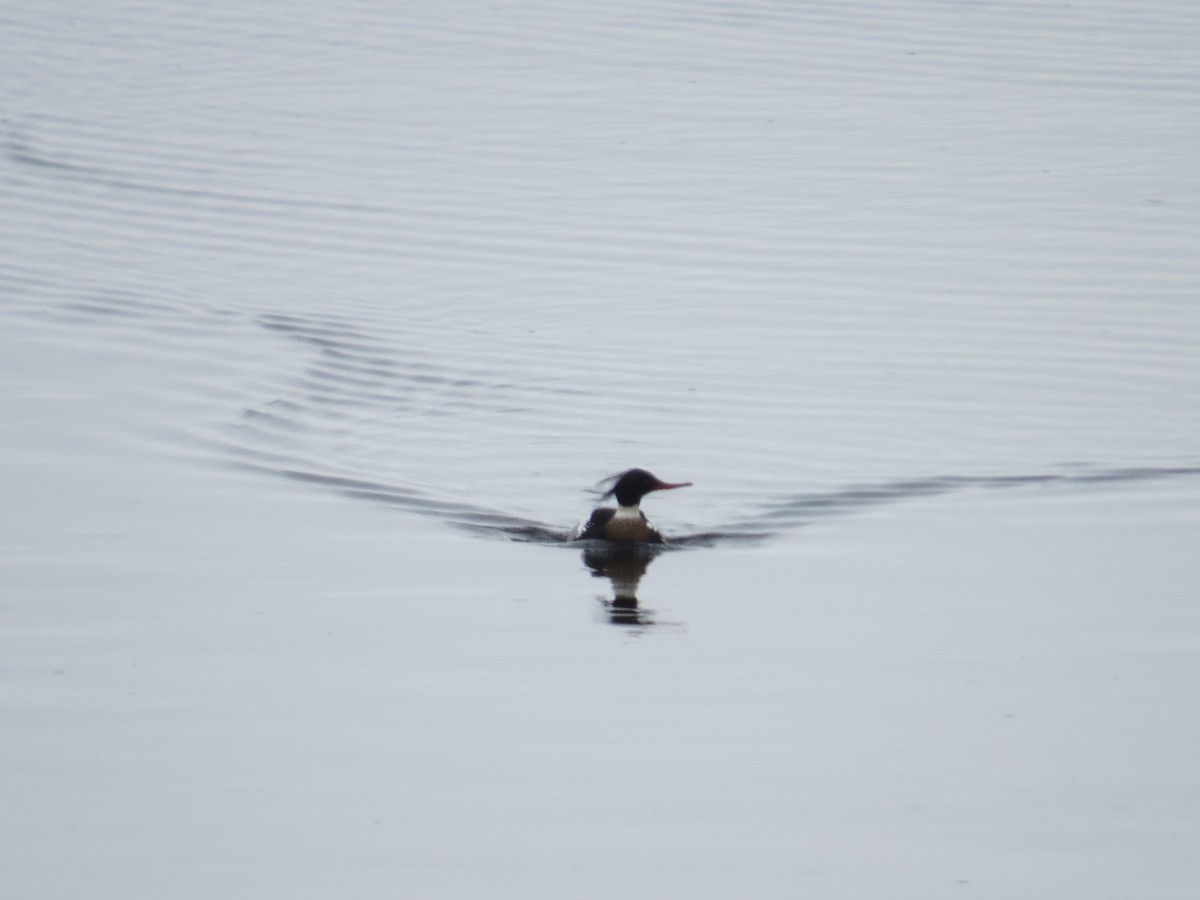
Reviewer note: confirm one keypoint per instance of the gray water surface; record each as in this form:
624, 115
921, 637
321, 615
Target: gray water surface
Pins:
319, 323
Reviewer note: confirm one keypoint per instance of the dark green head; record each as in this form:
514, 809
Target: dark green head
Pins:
630, 487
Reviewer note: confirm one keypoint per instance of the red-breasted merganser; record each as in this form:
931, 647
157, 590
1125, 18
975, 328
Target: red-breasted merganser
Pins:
627, 523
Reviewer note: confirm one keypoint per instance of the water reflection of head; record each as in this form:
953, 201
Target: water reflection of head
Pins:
623, 565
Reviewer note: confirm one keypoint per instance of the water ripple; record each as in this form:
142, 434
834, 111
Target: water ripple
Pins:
799, 255
776, 515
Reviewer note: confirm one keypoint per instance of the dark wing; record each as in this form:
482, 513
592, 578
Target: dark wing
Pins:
592, 528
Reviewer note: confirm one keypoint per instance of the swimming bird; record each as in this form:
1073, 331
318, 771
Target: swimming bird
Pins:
627, 523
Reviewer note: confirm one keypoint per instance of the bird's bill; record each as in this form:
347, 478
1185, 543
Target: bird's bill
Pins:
668, 486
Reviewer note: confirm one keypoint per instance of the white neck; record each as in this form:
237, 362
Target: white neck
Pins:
628, 512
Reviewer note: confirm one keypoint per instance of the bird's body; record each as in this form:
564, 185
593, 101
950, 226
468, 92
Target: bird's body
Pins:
627, 523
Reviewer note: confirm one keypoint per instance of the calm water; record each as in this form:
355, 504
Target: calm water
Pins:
318, 323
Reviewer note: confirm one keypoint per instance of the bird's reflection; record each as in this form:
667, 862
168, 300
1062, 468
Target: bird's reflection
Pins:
623, 565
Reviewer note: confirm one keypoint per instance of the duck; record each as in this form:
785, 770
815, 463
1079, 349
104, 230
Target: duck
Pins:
627, 523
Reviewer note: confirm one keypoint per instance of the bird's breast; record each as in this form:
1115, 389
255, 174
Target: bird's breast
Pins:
630, 525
